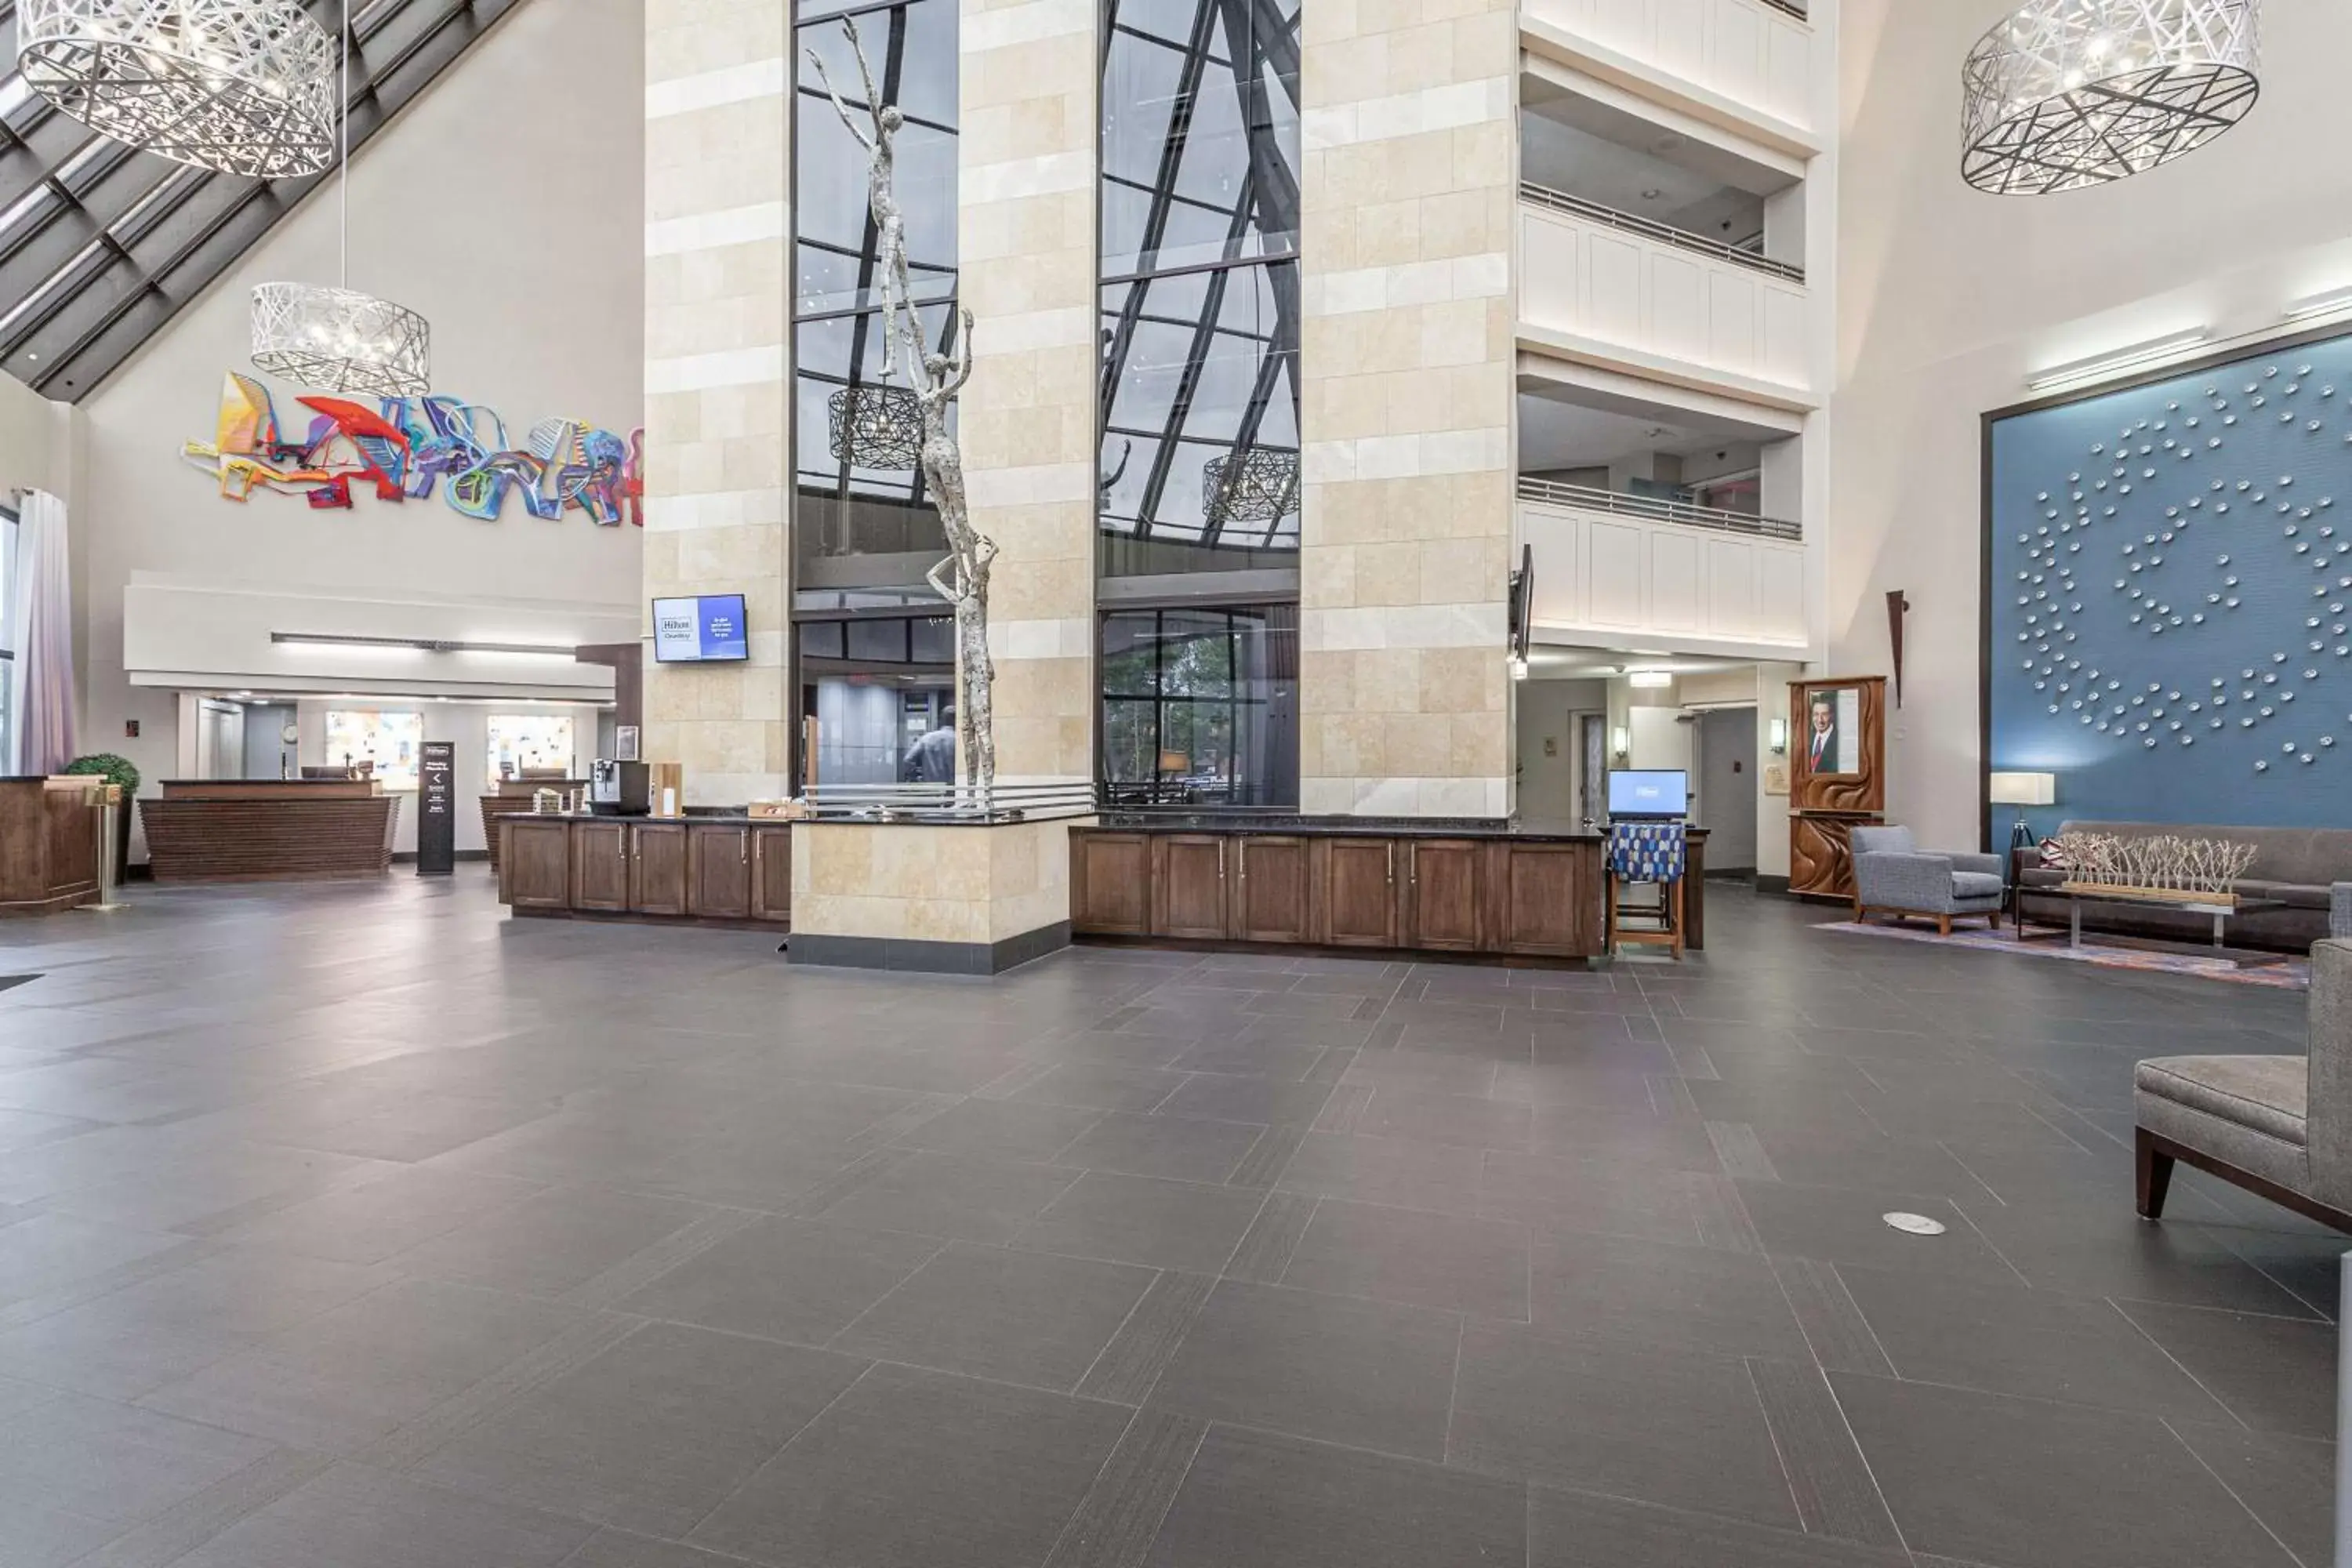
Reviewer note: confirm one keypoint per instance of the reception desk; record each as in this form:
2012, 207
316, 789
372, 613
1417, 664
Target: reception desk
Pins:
1471, 889
48, 844
237, 830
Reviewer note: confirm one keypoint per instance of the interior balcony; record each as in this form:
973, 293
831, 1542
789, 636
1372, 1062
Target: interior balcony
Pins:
1671, 528
1752, 66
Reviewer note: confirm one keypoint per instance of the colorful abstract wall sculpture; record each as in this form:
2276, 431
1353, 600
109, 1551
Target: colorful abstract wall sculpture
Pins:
408, 446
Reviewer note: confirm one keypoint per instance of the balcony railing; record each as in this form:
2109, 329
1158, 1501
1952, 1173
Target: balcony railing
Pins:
1554, 493
1664, 233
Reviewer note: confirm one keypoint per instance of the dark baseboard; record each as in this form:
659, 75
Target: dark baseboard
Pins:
1772, 884
1731, 874
928, 957
408, 857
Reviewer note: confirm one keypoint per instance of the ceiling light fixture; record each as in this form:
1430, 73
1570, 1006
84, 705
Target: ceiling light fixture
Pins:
337, 339
243, 87
2113, 364
2063, 94
422, 645
1650, 680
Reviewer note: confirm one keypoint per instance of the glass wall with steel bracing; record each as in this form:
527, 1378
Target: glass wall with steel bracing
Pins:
1200, 298
1200, 707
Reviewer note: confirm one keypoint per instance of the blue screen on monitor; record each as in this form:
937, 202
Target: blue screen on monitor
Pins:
1635, 791
699, 630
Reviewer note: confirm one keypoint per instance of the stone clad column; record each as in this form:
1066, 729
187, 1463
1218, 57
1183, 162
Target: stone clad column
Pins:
1027, 171
718, 385
1409, 198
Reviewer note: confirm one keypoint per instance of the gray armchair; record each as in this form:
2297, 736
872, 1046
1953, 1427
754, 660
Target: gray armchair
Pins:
2278, 1126
1893, 877
2339, 910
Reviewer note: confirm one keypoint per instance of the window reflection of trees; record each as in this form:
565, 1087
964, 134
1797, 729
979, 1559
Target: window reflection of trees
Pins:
1200, 295
1196, 705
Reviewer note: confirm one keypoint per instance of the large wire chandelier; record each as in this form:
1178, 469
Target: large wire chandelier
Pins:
243, 87
338, 339
2062, 94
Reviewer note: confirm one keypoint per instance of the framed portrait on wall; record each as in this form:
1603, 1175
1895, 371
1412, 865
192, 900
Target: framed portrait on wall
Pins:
1830, 738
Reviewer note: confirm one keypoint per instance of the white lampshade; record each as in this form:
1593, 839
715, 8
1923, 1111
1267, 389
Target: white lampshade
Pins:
2024, 789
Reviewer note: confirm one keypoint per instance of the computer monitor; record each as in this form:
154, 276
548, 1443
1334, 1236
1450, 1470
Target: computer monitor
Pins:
1649, 791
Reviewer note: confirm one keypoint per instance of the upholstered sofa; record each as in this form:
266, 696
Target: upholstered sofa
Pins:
2277, 1125
1892, 876
2308, 869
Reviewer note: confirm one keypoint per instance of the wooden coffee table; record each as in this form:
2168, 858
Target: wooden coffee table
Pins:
2223, 911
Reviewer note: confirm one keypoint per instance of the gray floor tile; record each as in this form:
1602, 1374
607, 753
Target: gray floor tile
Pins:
124, 1342
2286, 1482
1578, 1530
1554, 1197
1416, 1258
385, 1215
1017, 1317
2258, 1368
50, 1252
1670, 1297
1002, 1129
1003, 1469
1362, 1373
353, 1517
1985, 1477
96, 1459
1227, 1098
351, 1375
2006, 1339
650, 1436
1101, 1085
1142, 1220
783, 1279
1401, 1172
1478, 1123
1182, 1148
1258, 1497
1847, 1225
551, 1242
1658, 1142
1677, 1428
947, 1195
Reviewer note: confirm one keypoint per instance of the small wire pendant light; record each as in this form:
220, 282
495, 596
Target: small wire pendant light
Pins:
337, 339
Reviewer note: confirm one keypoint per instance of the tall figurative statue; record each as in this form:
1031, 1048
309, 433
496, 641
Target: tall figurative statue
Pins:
961, 577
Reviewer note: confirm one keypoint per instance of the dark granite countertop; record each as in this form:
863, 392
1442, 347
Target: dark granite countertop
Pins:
691, 819
1288, 826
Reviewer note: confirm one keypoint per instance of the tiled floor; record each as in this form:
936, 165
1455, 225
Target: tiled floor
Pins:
364, 1226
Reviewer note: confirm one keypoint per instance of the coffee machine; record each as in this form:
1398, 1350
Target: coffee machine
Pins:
618, 788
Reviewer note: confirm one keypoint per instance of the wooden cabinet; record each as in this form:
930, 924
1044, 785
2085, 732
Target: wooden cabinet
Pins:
1270, 885
1547, 900
1111, 884
1358, 889
658, 869
1445, 887
600, 865
1188, 886
772, 873
719, 872
535, 865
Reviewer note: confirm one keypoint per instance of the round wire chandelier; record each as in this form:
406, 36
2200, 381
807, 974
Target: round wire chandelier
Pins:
1259, 485
337, 339
874, 427
2062, 94
243, 87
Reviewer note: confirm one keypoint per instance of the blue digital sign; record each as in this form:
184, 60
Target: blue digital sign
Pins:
701, 630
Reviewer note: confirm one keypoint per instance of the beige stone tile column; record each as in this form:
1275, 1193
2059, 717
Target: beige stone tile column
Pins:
1027, 170
1411, 179
718, 378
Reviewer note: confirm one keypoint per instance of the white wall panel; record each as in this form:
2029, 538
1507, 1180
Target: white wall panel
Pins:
1609, 575
1583, 278
1755, 55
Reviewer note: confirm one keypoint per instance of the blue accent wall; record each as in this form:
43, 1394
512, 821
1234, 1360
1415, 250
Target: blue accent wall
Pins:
2171, 596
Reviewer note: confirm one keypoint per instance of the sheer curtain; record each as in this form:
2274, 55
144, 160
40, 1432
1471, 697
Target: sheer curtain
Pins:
41, 678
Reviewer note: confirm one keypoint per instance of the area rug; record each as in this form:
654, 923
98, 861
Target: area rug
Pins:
2285, 974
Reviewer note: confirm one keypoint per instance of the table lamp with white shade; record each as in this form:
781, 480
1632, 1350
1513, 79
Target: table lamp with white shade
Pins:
2022, 789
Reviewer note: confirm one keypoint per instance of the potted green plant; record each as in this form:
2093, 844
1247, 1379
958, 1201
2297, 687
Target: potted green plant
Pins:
119, 771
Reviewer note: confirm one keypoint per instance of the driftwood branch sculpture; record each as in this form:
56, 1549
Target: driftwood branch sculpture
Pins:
937, 374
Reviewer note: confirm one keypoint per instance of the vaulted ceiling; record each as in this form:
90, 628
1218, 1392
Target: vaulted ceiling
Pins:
100, 246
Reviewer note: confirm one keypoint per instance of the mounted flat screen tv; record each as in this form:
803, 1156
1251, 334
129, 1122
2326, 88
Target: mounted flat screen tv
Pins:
704, 630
